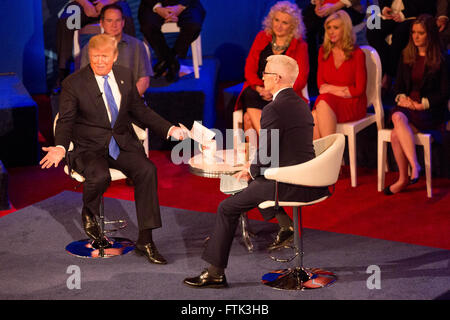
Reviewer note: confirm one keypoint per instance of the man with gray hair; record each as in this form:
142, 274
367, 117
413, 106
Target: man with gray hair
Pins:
291, 118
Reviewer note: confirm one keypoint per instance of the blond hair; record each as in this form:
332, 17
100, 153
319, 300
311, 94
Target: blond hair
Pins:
298, 30
348, 37
103, 40
285, 66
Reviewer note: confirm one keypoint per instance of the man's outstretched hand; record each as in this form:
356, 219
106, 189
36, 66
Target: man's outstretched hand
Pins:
53, 157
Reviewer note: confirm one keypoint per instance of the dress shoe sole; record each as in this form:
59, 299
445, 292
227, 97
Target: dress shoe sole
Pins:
141, 253
206, 286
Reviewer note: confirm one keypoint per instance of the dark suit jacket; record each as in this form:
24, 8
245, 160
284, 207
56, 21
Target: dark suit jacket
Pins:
291, 116
413, 8
83, 117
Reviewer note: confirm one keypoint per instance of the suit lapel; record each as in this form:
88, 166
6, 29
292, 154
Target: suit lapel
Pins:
123, 88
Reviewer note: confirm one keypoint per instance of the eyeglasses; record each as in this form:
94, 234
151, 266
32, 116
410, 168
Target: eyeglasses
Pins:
265, 73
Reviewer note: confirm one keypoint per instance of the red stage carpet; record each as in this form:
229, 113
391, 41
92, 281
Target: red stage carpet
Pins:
407, 217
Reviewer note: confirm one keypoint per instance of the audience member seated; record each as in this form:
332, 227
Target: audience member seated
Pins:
189, 16
132, 53
283, 34
422, 93
442, 12
90, 12
341, 77
396, 19
314, 16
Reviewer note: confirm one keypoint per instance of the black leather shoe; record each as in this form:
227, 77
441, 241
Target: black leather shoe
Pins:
414, 180
149, 250
91, 226
205, 280
160, 68
284, 238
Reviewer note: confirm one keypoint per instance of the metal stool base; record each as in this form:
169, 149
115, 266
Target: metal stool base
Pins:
299, 279
88, 249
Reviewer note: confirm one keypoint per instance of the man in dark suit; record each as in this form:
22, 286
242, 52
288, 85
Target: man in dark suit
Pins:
97, 105
290, 117
188, 14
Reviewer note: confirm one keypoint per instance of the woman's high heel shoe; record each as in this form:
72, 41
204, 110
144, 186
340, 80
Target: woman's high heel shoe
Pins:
387, 191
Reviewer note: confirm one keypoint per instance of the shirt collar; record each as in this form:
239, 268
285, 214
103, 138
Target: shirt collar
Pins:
276, 93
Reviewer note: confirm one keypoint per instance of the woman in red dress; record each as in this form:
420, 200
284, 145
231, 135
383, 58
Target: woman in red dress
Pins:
283, 34
341, 77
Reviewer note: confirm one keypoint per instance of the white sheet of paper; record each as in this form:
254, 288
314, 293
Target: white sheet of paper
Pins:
198, 132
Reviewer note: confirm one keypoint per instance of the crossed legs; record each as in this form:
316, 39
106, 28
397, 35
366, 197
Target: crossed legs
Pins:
324, 120
404, 149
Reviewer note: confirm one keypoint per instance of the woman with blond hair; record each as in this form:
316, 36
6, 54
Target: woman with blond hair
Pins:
283, 33
341, 77
422, 93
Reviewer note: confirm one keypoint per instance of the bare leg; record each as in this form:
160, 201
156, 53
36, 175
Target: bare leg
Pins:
316, 132
326, 119
255, 118
405, 136
402, 163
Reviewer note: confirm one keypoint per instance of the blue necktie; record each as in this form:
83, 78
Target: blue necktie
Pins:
113, 146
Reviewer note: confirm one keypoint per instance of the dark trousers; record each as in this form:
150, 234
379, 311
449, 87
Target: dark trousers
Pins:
390, 54
315, 31
134, 165
64, 35
218, 247
190, 24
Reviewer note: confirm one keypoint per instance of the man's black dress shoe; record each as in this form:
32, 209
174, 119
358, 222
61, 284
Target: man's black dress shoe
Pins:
284, 237
205, 280
149, 250
160, 67
91, 226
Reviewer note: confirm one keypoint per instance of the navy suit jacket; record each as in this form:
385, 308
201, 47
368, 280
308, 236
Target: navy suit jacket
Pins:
83, 118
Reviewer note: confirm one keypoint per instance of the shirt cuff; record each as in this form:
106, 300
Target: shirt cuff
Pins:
250, 173
168, 135
158, 5
425, 103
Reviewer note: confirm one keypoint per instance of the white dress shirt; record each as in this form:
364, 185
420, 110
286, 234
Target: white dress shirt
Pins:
114, 88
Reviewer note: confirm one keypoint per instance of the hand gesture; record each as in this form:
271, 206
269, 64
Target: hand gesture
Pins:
53, 157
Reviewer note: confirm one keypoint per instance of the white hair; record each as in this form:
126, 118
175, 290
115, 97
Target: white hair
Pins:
285, 66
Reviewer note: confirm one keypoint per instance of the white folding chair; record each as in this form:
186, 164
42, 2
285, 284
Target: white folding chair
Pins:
373, 93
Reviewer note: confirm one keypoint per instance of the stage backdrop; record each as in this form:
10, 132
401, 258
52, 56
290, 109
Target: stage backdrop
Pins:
21, 34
